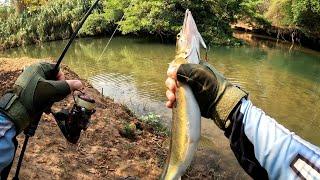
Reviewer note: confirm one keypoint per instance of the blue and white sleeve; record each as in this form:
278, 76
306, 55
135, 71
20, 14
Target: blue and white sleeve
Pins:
7, 147
266, 149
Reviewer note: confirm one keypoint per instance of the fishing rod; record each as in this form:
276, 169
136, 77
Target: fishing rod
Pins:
74, 35
70, 122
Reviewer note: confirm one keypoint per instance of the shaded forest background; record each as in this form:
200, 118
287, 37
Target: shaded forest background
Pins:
35, 21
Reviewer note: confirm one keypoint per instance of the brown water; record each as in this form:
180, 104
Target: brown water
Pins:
284, 83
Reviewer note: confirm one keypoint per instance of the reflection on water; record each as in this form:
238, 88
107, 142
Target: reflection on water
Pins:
122, 88
285, 84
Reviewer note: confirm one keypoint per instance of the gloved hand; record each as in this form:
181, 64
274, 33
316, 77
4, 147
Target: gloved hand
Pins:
36, 89
215, 95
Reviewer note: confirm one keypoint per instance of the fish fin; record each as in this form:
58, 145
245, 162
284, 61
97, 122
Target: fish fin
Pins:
202, 42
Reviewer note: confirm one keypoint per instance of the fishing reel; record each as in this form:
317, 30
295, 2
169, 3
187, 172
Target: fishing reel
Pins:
72, 122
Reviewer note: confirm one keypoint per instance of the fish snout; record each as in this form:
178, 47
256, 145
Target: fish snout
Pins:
189, 39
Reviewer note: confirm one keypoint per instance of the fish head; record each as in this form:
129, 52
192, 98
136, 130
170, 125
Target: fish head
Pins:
189, 40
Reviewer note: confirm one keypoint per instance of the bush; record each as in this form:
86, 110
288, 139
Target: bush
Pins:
164, 18
306, 14
54, 20
154, 121
96, 24
299, 14
252, 11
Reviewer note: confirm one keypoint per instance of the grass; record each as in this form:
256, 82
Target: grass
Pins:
154, 121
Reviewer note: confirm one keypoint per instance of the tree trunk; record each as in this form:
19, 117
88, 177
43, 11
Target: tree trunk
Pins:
18, 5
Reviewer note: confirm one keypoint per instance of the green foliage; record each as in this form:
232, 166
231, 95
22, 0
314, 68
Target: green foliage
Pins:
279, 12
129, 131
29, 3
253, 10
51, 20
5, 11
55, 20
302, 14
155, 122
164, 18
295, 14
96, 24
306, 13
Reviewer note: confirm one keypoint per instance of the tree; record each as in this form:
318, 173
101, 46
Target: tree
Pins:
303, 15
164, 17
306, 14
21, 5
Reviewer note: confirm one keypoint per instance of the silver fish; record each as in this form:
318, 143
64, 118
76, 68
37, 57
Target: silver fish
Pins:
186, 124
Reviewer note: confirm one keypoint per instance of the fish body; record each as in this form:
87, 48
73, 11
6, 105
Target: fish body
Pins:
186, 116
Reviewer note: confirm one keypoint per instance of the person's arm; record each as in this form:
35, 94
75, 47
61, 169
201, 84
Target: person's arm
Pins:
263, 148
7, 145
35, 90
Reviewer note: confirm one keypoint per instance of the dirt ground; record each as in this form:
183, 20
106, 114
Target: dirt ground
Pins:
102, 152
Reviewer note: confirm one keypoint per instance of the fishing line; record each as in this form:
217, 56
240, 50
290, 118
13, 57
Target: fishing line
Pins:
114, 32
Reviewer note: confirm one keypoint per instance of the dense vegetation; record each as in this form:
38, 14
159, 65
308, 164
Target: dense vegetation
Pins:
302, 15
35, 21
162, 18
53, 21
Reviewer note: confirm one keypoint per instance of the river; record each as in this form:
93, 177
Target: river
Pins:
284, 82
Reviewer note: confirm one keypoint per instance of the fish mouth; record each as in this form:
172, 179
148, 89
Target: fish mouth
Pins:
189, 27
189, 38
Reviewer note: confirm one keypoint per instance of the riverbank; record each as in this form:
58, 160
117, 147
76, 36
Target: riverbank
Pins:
104, 151
294, 36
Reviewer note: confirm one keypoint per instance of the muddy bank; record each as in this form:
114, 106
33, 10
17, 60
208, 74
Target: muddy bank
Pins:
291, 35
103, 151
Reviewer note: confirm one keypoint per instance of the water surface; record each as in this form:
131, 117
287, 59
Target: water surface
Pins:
285, 84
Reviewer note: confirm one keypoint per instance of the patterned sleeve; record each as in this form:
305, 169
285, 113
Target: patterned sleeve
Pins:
267, 150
